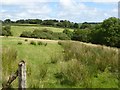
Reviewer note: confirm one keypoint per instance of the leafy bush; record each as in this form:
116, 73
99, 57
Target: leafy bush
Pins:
40, 43
108, 33
19, 43
81, 35
85, 25
63, 36
59, 43
68, 33
45, 34
6, 31
26, 34
33, 43
26, 40
45, 44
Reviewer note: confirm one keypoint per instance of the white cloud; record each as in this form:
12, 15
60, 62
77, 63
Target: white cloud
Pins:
73, 10
42, 8
99, 1
28, 10
19, 2
115, 10
78, 11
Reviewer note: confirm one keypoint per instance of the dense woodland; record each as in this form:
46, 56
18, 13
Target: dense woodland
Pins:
104, 33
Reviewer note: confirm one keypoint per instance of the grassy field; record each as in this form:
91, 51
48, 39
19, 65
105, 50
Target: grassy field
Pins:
17, 30
62, 65
35, 56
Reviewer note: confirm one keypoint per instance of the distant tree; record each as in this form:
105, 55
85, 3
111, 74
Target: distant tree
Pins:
7, 21
76, 25
85, 25
26, 34
6, 31
68, 32
81, 35
20, 21
59, 24
45, 34
48, 22
108, 33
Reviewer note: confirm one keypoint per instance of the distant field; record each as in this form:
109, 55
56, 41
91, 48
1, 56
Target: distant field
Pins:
17, 30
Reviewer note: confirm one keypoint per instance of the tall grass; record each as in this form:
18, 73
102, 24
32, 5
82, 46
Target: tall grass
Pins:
39, 76
9, 63
90, 61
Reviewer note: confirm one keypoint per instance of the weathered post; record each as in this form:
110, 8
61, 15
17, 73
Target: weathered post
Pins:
22, 75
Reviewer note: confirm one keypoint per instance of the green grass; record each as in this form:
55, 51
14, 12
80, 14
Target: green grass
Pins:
89, 65
17, 30
96, 65
34, 56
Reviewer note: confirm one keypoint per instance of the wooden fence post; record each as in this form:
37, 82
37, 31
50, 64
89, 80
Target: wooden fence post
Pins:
22, 75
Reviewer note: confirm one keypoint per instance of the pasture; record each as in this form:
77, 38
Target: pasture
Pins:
57, 65
17, 30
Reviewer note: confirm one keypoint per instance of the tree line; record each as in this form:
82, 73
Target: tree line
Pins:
106, 33
53, 23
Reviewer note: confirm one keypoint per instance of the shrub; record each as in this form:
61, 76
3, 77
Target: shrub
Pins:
45, 34
26, 34
45, 44
107, 33
19, 43
26, 40
81, 35
85, 25
40, 43
33, 43
59, 43
68, 33
6, 30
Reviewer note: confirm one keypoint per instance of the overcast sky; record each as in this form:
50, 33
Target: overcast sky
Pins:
73, 10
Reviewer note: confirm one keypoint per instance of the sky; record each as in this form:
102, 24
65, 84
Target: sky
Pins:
72, 10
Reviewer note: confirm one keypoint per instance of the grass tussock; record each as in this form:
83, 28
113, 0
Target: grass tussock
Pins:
9, 63
83, 63
73, 72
